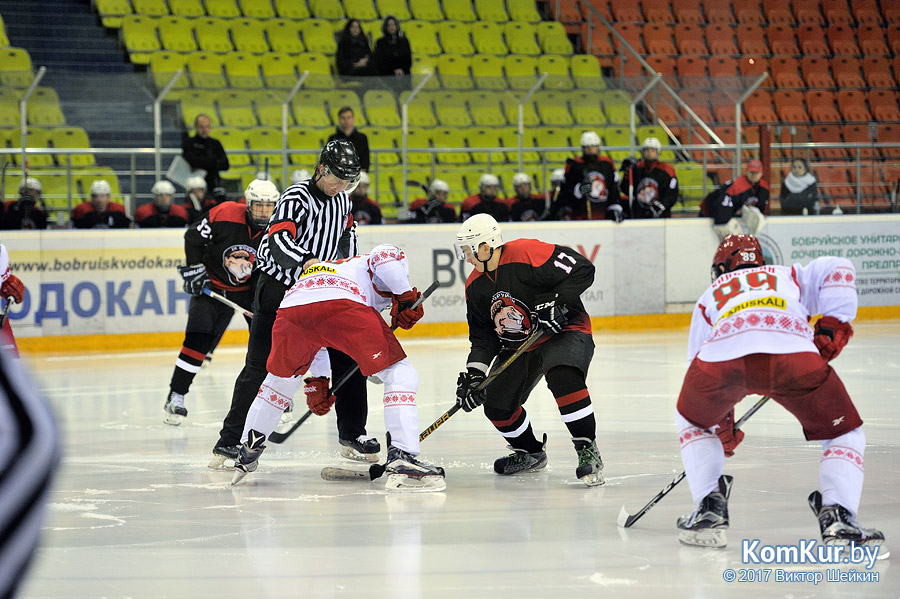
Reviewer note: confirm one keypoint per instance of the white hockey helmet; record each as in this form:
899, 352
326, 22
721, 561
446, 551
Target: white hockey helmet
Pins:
162, 187
487, 180
364, 178
390, 269
30, 183
557, 176
651, 143
438, 185
261, 198
477, 229
100, 187
590, 138
195, 182
301, 174
519, 179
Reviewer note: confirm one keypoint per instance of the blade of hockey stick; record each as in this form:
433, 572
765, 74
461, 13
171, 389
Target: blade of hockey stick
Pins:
277, 437
227, 302
625, 521
344, 474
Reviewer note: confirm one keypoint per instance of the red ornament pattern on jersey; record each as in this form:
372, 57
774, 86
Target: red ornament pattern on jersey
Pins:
331, 282
762, 321
689, 435
399, 398
274, 398
847, 454
840, 277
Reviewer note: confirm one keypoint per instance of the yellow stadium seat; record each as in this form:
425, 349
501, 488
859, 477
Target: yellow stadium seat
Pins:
234, 140
451, 108
384, 138
292, 9
177, 34
523, 10
644, 131
112, 11
418, 139
268, 139
284, 36
318, 35
311, 108
139, 36
486, 109
371, 27
9, 117
194, 102
212, 35
488, 38
43, 108
381, 108
557, 69
446, 138
257, 9
419, 110
491, 10
521, 71
509, 138
242, 69
222, 8
586, 72
319, 67
552, 108
510, 105
552, 38
187, 8
520, 38
150, 8
72, 138
459, 10
488, 72
454, 37
422, 65
617, 136
484, 138
338, 98
422, 37
586, 108
454, 71
236, 108
15, 67
617, 106
279, 70
426, 10
326, 9
396, 8
35, 138
304, 138
164, 65
4, 39
206, 69
55, 194
363, 10
249, 35
267, 103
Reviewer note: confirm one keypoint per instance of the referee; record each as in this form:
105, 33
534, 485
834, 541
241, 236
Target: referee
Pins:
311, 223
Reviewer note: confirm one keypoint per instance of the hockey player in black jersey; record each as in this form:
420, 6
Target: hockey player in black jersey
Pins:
516, 288
220, 252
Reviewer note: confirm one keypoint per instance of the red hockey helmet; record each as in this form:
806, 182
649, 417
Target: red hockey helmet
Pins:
736, 252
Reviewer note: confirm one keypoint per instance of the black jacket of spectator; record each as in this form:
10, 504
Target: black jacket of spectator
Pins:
360, 144
208, 154
392, 51
350, 50
727, 201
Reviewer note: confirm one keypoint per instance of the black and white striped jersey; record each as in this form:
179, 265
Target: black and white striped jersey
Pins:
306, 223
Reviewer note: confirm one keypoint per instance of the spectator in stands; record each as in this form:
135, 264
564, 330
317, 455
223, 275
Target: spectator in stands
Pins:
746, 197
485, 200
589, 191
346, 129
100, 212
204, 152
649, 186
523, 205
301, 174
434, 208
392, 53
354, 56
161, 212
799, 190
27, 211
365, 210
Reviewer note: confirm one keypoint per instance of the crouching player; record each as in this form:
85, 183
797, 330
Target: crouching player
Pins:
750, 334
337, 304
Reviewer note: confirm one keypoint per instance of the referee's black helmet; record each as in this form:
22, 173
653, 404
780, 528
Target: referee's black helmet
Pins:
339, 157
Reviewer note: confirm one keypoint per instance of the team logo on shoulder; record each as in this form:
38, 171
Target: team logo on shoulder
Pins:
599, 191
238, 261
512, 319
647, 191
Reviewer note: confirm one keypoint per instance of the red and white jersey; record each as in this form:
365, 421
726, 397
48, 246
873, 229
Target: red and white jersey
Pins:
766, 309
4, 264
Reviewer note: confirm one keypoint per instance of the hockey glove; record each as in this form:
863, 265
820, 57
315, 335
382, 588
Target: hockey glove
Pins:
657, 209
628, 163
551, 317
195, 278
585, 189
13, 287
831, 336
468, 396
729, 437
403, 315
317, 399
615, 213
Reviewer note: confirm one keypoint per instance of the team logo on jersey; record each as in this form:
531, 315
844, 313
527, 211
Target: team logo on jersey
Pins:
647, 191
599, 192
512, 319
238, 261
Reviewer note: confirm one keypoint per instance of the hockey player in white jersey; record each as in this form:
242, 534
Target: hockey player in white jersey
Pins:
336, 304
750, 334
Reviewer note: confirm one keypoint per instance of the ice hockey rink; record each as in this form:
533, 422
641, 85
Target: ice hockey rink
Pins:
135, 512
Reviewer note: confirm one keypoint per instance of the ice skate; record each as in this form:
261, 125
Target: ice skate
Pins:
590, 465
248, 457
706, 526
520, 461
361, 449
840, 528
222, 453
174, 408
408, 474
287, 415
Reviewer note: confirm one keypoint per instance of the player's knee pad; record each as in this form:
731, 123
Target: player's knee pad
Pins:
283, 386
199, 342
855, 440
563, 380
401, 376
498, 414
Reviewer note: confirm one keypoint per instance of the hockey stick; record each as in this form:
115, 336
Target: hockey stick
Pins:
625, 521
277, 437
9, 302
376, 470
234, 306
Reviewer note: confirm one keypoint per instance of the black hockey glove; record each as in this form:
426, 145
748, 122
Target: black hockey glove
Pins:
657, 209
195, 278
615, 213
585, 189
551, 316
468, 396
628, 163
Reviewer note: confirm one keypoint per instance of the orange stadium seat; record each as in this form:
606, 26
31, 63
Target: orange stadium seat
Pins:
812, 40
597, 41
871, 40
786, 72
842, 39
718, 12
658, 39
723, 111
698, 100
883, 104
807, 11
816, 72
777, 13
751, 39
689, 40
720, 39
602, 7
852, 104
782, 40
889, 134
657, 11
834, 183
828, 134
858, 134
752, 66
692, 72
749, 13
821, 105
626, 12
890, 11
688, 11
664, 65
632, 35
877, 71
865, 12
758, 107
837, 11
789, 106
893, 36
847, 72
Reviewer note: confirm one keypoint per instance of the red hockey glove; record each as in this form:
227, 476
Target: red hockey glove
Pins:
403, 315
317, 398
831, 336
13, 287
729, 437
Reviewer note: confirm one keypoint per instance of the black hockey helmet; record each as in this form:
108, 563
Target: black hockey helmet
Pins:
340, 159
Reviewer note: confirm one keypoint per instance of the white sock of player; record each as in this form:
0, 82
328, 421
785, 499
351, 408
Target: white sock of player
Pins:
273, 398
703, 457
401, 417
841, 470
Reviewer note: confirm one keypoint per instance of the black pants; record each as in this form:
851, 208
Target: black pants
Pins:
351, 407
